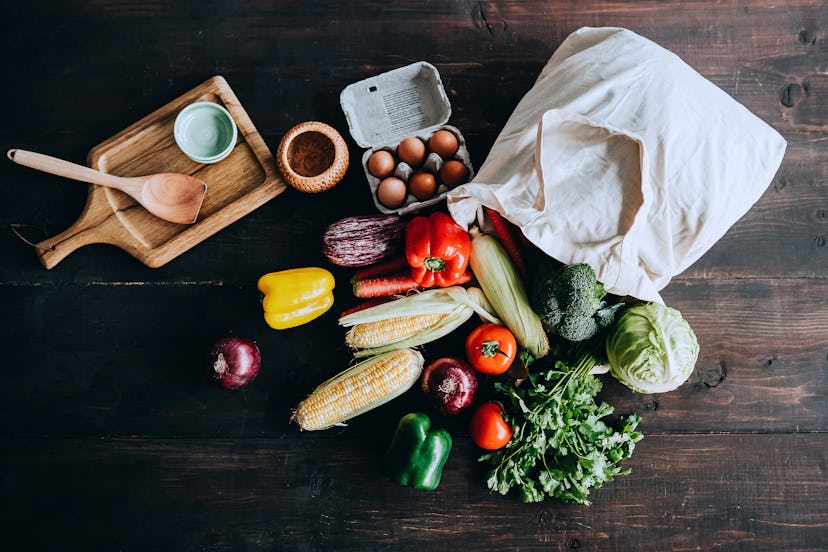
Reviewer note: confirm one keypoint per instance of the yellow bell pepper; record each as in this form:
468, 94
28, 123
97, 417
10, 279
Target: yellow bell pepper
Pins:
296, 296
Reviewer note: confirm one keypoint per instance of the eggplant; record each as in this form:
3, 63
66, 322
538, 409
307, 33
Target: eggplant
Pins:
363, 240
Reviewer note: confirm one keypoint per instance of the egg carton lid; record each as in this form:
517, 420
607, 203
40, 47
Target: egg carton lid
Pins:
386, 108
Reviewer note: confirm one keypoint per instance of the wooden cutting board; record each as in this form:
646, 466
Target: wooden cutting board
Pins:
237, 185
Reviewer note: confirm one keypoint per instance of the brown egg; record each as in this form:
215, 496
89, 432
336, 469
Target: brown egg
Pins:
392, 192
443, 143
422, 185
453, 173
381, 164
412, 151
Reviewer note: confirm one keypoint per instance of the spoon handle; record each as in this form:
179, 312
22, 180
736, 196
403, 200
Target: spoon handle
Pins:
59, 167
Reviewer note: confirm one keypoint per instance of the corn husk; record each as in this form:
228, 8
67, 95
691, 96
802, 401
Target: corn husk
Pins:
504, 289
456, 302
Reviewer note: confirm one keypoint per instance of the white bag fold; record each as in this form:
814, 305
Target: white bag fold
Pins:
624, 157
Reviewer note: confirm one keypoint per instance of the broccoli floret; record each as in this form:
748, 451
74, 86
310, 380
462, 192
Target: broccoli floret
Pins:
578, 290
577, 327
570, 301
549, 310
605, 316
541, 297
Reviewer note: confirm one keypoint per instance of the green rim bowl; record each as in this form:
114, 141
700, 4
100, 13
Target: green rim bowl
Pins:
205, 132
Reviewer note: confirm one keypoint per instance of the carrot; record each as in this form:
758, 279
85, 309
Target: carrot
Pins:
383, 268
368, 303
382, 286
395, 284
503, 230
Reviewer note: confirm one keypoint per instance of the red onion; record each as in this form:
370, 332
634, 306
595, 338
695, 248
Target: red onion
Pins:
449, 384
234, 361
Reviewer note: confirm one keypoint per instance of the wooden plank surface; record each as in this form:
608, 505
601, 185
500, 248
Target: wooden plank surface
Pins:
309, 493
111, 438
488, 55
131, 371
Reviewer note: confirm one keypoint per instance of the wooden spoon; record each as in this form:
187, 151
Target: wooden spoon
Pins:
170, 196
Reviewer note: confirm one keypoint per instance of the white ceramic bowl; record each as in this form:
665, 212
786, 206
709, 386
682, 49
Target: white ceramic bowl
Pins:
205, 132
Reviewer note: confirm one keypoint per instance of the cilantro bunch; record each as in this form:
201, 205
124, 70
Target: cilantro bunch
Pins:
560, 447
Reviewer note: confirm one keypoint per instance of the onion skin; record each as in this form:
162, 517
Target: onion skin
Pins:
450, 385
234, 362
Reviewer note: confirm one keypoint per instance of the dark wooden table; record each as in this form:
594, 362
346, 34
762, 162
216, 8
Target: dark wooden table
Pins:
112, 440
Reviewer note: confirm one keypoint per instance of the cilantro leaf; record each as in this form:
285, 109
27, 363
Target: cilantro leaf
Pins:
561, 446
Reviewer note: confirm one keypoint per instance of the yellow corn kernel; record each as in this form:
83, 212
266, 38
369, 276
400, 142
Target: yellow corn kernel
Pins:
364, 386
392, 330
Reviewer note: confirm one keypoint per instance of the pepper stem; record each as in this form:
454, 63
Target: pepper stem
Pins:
435, 264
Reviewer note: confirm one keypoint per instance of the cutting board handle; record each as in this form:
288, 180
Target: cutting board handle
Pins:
96, 224
53, 250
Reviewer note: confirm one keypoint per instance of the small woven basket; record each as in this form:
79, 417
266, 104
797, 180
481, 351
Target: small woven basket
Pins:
312, 157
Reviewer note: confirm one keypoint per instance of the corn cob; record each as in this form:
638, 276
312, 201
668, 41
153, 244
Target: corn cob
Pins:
358, 389
504, 289
428, 315
383, 332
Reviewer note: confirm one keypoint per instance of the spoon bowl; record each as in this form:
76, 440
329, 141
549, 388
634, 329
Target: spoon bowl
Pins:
173, 197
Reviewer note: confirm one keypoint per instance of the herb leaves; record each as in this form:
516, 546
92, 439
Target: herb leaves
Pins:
561, 447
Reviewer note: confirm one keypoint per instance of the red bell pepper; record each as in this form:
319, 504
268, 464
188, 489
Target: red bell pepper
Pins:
437, 249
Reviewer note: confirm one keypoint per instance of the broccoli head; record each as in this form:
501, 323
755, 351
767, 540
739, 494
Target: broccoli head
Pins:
544, 270
570, 300
577, 327
577, 288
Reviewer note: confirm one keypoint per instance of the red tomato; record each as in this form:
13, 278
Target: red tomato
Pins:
491, 349
488, 428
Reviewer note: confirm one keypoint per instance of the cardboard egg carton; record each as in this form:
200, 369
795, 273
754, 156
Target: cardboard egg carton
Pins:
385, 109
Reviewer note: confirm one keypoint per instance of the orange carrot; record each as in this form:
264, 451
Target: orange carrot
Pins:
395, 284
382, 286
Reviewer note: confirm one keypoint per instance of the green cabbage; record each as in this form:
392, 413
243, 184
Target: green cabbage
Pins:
651, 348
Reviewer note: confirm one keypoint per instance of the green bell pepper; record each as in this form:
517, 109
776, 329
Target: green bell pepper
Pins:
416, 455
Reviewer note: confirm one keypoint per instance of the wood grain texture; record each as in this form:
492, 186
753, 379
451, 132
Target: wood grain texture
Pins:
112, 439
127, 359
488, 55
309, 493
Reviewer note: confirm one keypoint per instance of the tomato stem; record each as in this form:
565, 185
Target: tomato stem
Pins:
491, 348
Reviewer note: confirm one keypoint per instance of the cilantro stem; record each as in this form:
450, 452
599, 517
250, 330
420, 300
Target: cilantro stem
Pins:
549, 417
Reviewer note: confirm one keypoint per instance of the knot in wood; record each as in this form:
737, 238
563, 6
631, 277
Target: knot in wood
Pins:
790, 95
713, 376
650, 404
807, 36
